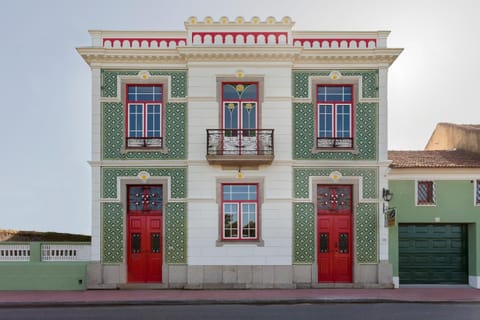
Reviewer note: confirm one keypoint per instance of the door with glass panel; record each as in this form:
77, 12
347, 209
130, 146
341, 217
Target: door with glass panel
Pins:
144, 234
334, 233
240, 118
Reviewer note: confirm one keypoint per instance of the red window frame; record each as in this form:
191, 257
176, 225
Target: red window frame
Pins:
144, 196
239, 203
334, 114
145, 103
429, 190
240, 101
334, 199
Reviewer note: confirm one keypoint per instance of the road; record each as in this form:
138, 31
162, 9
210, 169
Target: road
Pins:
341, 311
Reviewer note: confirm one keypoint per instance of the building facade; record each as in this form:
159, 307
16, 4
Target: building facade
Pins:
436, 199
239, 154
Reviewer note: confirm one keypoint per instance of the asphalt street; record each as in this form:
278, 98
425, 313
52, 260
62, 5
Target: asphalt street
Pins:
337, 311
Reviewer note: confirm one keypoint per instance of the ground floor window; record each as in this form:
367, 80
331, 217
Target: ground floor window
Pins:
239, 211
425, 192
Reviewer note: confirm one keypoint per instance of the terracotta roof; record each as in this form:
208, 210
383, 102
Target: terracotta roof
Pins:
434, 159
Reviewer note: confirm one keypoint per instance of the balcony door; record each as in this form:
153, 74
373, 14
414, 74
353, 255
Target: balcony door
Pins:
240, 118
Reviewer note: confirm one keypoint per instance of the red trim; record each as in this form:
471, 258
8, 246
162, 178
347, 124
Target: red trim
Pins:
334, 104
177, 41
240, 224
244, 34
146, 190
145, 104
335, 210
429, 190
339, 41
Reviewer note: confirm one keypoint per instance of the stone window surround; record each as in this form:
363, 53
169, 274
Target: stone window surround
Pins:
142, 78
260, 192
356, 82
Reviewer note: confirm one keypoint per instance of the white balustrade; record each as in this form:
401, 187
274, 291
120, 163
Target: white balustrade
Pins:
65, 252
14, 252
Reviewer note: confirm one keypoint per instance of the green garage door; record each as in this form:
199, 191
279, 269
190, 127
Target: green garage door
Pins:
433, 254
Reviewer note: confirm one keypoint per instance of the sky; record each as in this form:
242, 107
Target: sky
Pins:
45, 118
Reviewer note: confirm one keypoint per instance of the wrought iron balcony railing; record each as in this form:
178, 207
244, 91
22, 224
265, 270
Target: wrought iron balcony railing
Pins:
335, 143
240, 145
142, 142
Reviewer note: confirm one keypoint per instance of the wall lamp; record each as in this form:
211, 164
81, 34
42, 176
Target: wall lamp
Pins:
387, 195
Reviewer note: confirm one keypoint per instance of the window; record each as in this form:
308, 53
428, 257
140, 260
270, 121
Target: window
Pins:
239, 211
144, 116
240, 101
334, 116
477, 192
425, 193
145, 199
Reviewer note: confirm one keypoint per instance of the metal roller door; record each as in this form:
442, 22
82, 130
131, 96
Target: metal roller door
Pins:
433, 254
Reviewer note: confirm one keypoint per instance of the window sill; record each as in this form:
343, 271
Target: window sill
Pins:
143, 149
316, 150
258, 243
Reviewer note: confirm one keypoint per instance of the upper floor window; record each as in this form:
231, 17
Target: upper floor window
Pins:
477, 192
239, 211
425, 193
334, 116
240, 105
144, 115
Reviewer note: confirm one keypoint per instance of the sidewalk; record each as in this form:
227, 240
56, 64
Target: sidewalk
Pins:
264, 296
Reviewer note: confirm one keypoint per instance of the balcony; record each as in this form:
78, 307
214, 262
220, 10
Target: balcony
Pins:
240, 147
345, 143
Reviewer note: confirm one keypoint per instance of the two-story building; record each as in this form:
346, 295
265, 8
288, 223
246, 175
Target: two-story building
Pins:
239, 154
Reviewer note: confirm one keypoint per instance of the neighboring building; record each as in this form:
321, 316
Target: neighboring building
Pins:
239, 154
450, 136
436, 196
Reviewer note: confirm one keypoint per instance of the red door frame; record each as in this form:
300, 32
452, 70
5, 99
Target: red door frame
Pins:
335, 234
144, 235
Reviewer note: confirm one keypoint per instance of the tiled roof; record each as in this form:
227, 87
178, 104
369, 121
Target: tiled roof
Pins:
434, 159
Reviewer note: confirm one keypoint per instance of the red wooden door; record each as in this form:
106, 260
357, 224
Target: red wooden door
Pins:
334, 233
144, 235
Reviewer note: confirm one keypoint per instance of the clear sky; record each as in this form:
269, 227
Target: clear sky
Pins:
46, 86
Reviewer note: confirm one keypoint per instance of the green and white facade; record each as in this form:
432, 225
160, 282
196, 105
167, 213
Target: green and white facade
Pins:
241, 132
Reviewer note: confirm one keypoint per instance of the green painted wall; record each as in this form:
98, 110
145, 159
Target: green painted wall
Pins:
38, 275
454, 204
43, 275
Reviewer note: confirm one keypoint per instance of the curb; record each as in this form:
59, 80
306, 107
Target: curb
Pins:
111, 303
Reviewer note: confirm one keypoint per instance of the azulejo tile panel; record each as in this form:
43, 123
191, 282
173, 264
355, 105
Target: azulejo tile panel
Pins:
112, 239
302, 184
366, 128
113, 134
109, 81
304, 233
365, 123
176, 233
366, 227
369, 81
178, 178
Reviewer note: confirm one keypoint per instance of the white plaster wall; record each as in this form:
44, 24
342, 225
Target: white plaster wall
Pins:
204, 109
204, 218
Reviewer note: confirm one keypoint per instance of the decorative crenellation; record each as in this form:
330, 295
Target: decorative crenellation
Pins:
144, 43
208, 21
239, 38
239, 31
344, 43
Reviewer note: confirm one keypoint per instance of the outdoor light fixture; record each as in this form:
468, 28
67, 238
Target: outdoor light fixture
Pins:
387, 195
